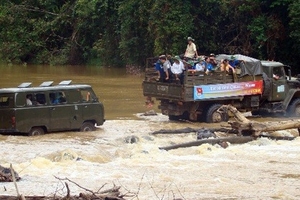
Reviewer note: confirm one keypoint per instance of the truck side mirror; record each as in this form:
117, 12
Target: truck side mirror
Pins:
290, 74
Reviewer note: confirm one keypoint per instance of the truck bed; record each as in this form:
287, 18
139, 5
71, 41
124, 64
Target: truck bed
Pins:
185, 91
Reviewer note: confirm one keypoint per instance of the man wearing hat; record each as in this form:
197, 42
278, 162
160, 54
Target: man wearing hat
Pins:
212, 58
191, 50
177, 68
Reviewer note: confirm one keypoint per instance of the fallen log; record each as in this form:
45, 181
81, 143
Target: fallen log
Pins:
109, 194
232, 140
191, 130
80, 197
244, 125
176, 131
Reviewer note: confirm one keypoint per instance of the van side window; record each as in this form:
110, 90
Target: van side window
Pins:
4, 101
57, 97
35, 99
40, 98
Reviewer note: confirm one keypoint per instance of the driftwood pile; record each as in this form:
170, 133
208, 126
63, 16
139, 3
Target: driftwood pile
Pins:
242, 130
9, 175
109, 194
242, 124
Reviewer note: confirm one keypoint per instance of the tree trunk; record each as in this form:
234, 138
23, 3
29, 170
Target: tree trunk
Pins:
243, 124
232, 140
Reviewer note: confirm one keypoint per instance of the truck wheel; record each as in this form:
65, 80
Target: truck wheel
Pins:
294, 108
36, 131
212, 116
87, 126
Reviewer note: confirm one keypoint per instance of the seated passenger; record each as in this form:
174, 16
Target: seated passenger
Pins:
177, 68
212, 60
226, 66
209, 66
29, 99
190, 65
200, 66
234, 62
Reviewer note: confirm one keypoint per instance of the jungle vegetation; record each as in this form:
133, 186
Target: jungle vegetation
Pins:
123, 32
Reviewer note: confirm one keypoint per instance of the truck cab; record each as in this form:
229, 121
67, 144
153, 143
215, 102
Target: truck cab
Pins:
276, 73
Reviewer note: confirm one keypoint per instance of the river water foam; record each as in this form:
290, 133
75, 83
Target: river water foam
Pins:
261, 169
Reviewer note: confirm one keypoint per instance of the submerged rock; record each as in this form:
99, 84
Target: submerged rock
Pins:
6, 175
205, 133
131, 139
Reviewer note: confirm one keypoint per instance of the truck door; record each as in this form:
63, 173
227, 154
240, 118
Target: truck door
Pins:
279, 86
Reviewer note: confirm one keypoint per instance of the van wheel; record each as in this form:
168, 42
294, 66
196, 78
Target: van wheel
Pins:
36, 131
87, 126
213, 116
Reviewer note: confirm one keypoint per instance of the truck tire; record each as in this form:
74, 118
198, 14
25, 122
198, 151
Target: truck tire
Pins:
294, 108
87, 126
34, 131
212, 116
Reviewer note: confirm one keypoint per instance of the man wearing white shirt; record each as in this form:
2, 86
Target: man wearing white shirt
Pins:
177, 68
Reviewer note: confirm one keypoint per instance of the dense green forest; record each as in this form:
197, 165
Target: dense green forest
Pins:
123, 32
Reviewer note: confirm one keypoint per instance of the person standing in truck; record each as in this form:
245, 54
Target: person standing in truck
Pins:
166, 67
159, 69
191, 50
177, 68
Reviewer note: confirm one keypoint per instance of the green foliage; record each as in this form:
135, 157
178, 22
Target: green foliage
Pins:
171, 23
128, 31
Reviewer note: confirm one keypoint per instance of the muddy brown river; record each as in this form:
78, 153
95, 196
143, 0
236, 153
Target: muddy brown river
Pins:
261, 169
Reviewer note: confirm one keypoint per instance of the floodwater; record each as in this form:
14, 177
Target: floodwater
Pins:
120, 92
261, 169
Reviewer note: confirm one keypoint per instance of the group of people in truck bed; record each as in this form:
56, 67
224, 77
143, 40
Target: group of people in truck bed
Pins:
170, 69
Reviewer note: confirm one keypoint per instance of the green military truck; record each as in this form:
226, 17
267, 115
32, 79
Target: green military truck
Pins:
49, 108
252, 88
